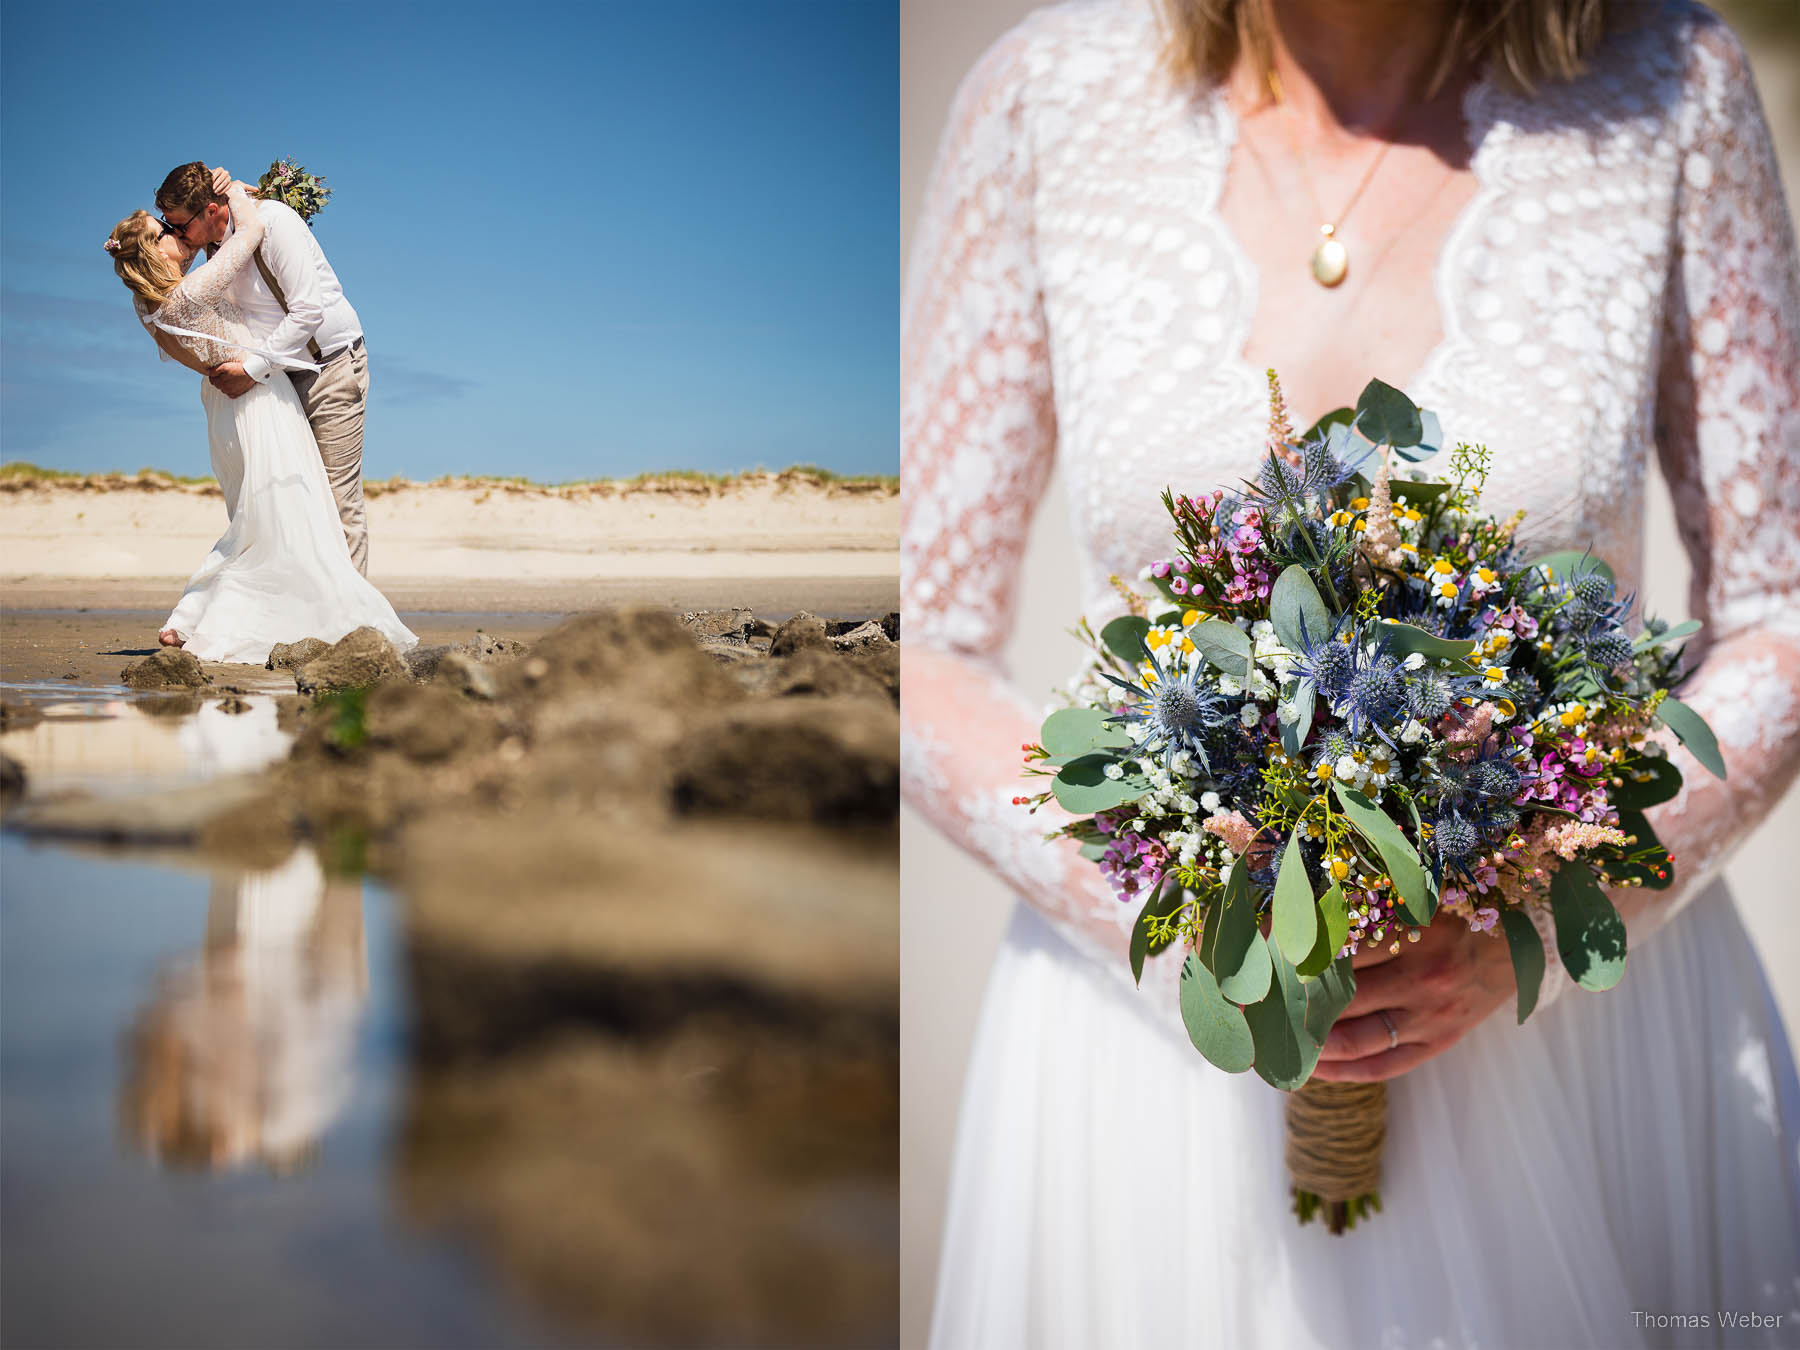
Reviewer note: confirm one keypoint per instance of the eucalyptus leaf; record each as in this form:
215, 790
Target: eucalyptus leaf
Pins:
1527, 950
1164, 901
1431, 435
1387, 416
1214, 1024
1694, 733
1082, 787
1124, 638
1404, 639
1334, 927
1285, 1054
1397, 853
1661, 781
1571, 563
1225, 646
1070, 732
1295, 599
1328, 996
1646, 641
1093, 852
1303, 696
1337, 417
1406, 490
1590, 935
1296, 912
1239, 959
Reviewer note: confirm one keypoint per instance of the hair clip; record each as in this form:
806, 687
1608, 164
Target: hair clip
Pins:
111, 246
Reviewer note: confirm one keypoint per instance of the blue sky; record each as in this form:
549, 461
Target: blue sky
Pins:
583, 239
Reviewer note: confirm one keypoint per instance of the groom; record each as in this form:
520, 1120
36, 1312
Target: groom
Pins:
293, 304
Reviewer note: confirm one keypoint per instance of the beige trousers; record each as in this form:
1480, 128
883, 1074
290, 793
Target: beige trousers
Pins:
334, 399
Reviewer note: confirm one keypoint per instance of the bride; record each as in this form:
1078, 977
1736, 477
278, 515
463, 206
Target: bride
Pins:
1562, 230
281, 571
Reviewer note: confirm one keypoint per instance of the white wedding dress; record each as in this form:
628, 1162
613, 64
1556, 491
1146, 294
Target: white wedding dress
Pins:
281, 571
1623, 1165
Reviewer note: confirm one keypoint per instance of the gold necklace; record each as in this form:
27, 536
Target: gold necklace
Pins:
1330, 260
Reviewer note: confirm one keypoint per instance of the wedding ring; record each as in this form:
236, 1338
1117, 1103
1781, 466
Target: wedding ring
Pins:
1393, 1032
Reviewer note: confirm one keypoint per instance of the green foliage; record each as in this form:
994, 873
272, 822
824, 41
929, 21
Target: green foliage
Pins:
1398, 855
1214, 1023
1077, 731
1387, 416
1527, 950
1166, 901
1693, 732
1404, 639
1295, 924
1233, 947
1645, 781
1082, 787
347, 710
1124, 638
1225, 646
1285, 1053
1295, 599
1334, 928
1590, 935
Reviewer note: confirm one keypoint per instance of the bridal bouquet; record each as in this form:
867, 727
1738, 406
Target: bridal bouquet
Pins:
290, 184
1356, 710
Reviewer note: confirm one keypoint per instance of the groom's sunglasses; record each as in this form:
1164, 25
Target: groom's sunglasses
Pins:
179, 231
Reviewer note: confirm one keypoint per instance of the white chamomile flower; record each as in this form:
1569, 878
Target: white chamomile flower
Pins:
1483, 579
1494, 677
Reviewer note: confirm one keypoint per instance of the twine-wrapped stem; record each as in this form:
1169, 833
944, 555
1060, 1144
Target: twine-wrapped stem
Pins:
1334, 1137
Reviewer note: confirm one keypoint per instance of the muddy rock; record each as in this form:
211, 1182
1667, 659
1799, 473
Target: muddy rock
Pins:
425, 723
881, 664
465, 674
488, 649
363, 658
831, 760
12, 780
291, 710
293, 655
890, 624
16, 716
729, 653
422, 661
862, 637
234, 702
173, 703
816, 671
798, 633
644, 651
166, 668
722, 625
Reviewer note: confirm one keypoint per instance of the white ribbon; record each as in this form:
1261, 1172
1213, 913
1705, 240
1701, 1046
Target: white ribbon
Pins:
279, 362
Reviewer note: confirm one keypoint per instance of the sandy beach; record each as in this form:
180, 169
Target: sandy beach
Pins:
90, 566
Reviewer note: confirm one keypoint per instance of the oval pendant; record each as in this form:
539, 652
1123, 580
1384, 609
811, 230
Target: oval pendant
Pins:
1330, 263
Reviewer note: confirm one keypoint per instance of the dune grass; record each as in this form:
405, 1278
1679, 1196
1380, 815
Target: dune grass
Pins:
19, 475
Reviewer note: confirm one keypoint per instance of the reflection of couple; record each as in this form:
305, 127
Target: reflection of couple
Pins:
245, 1051
287, 379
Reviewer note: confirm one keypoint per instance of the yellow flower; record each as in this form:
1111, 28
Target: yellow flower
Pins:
1340, 518
1447, 589
1494, 673
1360, 503
1323, 771
1412, 515
1442, 567
1573, 715
1360, 525
1339, 869
1157, 638
1187, 644
1486, 575
1191, 618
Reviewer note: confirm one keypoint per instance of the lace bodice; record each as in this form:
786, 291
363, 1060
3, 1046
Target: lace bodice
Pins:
1624, 279
201, 304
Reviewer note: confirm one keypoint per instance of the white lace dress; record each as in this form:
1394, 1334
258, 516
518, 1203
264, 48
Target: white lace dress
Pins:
281, 571
1623, 281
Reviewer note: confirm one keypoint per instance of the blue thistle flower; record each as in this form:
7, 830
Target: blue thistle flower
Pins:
1177, 713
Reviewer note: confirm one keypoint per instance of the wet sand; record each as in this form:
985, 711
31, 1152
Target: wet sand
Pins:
86, 632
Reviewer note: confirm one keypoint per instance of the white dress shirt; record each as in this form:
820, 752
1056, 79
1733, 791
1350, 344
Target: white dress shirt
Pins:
316, 305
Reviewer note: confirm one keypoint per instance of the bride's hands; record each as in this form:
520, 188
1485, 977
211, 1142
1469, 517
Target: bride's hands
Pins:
1434, 990
223, 184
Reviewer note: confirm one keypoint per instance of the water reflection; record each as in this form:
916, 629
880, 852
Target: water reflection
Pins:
245, 1050
97, 740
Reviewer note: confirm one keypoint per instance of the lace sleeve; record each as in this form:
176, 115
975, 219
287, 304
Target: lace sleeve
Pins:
1728, 436
207, 285
978, 439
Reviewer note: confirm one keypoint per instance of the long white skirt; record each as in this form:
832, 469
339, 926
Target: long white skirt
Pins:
1621, 1160
281, 571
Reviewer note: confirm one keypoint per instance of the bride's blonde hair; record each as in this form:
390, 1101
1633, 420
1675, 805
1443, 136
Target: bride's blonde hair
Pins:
140, 264
1527, 42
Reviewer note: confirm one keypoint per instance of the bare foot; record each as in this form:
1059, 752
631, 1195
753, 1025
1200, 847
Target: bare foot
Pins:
169, 638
